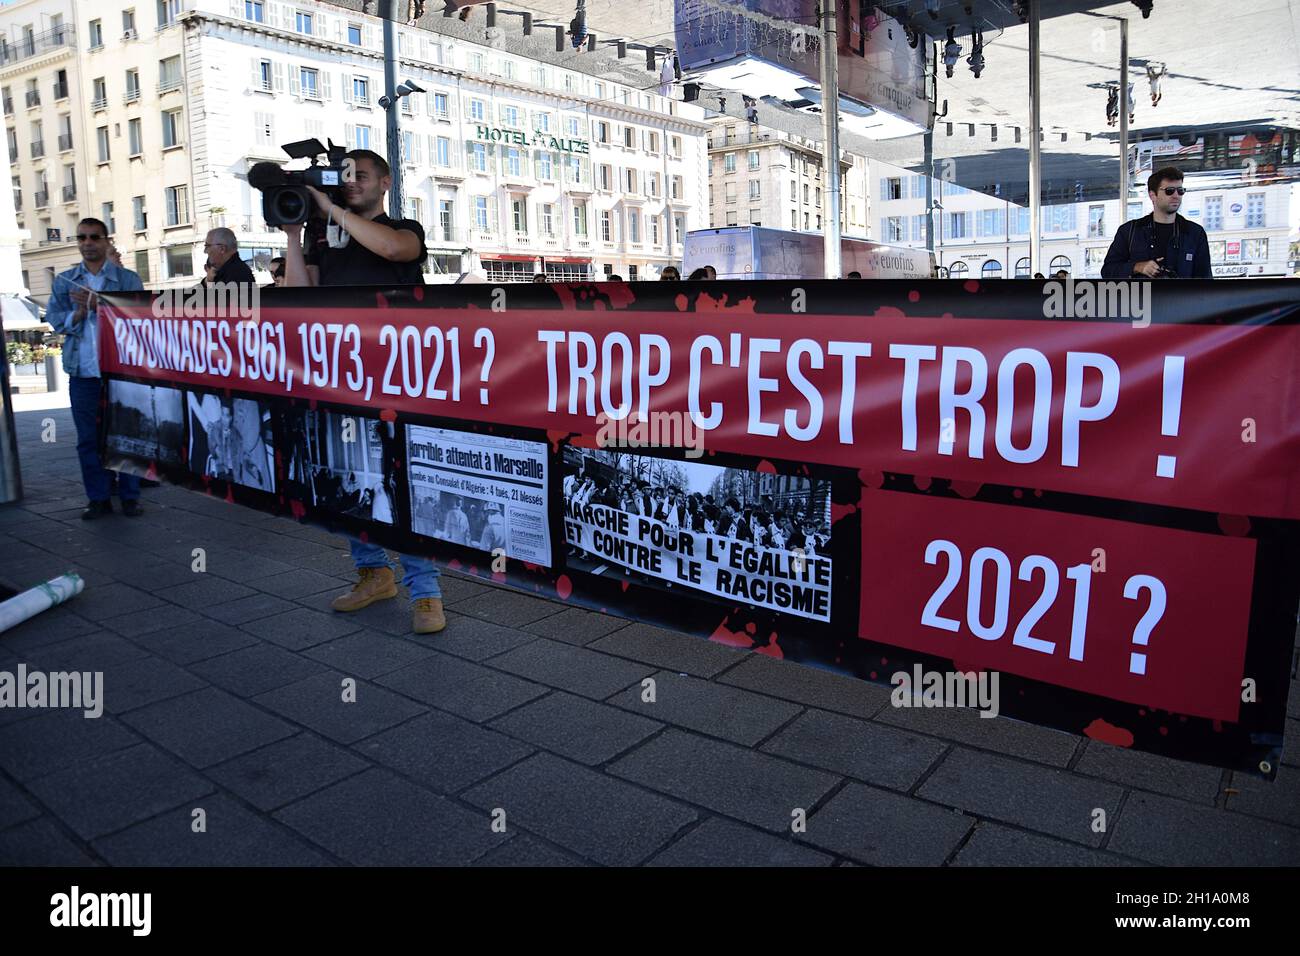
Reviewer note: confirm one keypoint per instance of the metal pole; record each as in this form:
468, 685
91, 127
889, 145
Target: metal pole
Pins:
929, 189
1035, 134
831, 134
1123, 120
387, 11
11, 482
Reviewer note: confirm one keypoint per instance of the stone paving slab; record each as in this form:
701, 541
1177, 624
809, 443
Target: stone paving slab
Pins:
443, 752
577, 728
233, 836
574, 669
730, 780
716, 839
995, 845
726, 712
207, 726
319, 702
1026, 794
885, 829
41, 843
378, 819
670, 650
605, 820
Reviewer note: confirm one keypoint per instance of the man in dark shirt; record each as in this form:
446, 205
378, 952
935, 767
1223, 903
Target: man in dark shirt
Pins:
1163, 243
224, 264
366, 247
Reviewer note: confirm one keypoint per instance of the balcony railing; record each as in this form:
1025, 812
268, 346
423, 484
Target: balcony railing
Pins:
131, 96
9, 106
42, 199
60, 91
62, 36
169, 83
65, 142
33, 98
99, 104
38, 150
69, 193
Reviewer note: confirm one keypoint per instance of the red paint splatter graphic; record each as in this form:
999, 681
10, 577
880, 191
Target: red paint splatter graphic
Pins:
1017, 493
388, 415
626, 584
418, 292
454, 564
706, 303
967, 489
970, 285
381, 300
724, 635
584, 441
871, 479
765, 467
1164, 731
889, 312
914, 296
298, 509
771, 649
1109, 733
751, 628
230, 494
839, 511
563, 587
528, 565
1236, 525
922, 482
682, 303
555, 437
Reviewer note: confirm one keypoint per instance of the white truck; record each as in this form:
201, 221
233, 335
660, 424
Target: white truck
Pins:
756, 252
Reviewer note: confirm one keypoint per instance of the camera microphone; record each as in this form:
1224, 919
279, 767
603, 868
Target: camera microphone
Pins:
265, 176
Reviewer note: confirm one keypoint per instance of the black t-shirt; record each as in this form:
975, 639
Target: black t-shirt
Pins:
1164, 234
354, 264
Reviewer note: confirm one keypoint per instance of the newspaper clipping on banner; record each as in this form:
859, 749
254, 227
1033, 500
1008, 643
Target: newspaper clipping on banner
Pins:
480, 491
760, 539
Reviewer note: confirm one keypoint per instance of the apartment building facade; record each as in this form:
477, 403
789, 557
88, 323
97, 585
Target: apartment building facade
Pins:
512, 166
42, 113
979, 236
766, 177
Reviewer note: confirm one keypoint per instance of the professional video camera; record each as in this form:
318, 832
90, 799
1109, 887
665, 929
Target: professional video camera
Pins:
285, 199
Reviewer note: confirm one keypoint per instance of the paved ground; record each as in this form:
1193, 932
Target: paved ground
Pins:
223, 693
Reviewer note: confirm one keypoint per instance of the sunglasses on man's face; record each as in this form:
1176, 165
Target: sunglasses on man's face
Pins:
88, 237
1170, 190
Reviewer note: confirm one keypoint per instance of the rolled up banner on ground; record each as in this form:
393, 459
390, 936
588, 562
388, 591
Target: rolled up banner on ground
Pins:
44, 596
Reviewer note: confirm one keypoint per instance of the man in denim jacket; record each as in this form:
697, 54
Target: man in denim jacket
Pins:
71, 311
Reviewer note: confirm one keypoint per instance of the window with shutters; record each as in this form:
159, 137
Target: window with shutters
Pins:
510, 116
482, 220
178, 205
633, 226
441, 108
142, 265
754, 189
171, 128
545, 165
654, 230
263, 81
580, 217
106, 214
139, 214
135, 138
519, 214
542, 122
606, 227
478, 157
729, 163
253, 11
443, 151
629, 137
168, 11
302, 22
354, 34
264, 129
309, 82
101, 137
477, 110
169, 74
96, 34
548, 219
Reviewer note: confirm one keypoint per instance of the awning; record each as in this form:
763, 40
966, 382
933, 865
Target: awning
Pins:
580, 260
509, 258
19, 315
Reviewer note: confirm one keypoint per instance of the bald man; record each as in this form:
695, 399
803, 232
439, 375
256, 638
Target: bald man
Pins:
224, 264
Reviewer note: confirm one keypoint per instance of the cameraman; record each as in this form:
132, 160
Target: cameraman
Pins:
1163, 243
369, 248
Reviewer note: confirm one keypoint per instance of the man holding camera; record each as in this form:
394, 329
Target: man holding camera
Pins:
1163, 244
363, 246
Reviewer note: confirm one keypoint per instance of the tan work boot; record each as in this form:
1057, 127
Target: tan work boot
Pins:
375, 584
427, 616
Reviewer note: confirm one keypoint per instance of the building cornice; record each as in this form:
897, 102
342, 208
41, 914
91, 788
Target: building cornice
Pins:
563, 99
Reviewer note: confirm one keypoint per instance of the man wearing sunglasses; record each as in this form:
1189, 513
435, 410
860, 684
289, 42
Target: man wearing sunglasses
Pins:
1162, 244
71, 311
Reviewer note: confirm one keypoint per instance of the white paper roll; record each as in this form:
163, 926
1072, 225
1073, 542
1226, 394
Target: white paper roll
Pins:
40, 598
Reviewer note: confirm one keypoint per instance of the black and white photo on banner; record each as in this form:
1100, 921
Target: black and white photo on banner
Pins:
762, 538
146, 421
340, 463
232, 439
487, 492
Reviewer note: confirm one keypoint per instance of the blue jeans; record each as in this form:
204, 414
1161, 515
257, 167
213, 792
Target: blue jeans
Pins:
418, 574
84, 395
